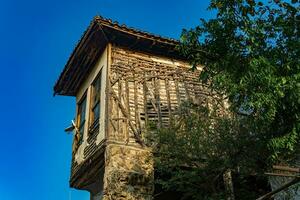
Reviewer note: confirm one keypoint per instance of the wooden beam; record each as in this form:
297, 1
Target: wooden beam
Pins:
286, 168
119, 94
136, 105
151, 100
157, 98
168, 99
145, 100
107, 91
176, 80
126, 114
128, 109
283, 175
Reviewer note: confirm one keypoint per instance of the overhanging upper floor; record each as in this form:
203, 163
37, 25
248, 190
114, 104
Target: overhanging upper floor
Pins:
93, 42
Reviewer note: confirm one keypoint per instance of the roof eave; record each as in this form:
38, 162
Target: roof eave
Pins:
102, 31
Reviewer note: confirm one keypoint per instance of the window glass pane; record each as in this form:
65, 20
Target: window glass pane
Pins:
82, 112
96, 112
96, 91
95, 100
81, 118
81, 130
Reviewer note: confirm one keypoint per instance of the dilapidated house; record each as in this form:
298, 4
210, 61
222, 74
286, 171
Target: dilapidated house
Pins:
123, 79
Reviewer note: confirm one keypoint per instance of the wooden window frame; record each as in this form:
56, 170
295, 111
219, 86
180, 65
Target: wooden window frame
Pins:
81, 124
94, 123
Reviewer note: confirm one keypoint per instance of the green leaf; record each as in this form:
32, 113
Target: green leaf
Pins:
204, 76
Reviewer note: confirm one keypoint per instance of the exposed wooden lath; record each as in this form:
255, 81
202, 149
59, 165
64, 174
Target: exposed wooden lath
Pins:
147, 90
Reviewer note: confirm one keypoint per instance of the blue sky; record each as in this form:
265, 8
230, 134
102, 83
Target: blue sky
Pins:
36, 39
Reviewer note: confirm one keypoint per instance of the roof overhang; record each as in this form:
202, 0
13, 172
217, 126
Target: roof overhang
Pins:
93, 42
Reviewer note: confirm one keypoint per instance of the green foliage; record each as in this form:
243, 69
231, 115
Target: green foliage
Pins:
251, 52
200, 145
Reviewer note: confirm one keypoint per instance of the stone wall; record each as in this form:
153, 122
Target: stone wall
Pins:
128, 173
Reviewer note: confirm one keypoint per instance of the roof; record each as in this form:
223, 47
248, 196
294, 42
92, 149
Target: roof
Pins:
100, 32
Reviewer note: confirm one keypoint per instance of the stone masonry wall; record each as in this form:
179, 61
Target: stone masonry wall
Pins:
128, 173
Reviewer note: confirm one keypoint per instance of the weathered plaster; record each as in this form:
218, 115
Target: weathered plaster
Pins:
86, 89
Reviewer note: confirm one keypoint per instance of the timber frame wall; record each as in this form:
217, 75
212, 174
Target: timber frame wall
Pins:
147, 89
140, 89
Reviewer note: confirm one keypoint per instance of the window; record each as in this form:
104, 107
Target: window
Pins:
95, 101
81, 118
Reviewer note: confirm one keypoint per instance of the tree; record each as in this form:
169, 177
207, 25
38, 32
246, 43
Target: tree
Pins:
199, 147
250, 53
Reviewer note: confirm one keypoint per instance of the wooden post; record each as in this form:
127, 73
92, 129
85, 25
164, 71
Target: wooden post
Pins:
145, 100
168, 99
227, 178
107, 92
157, 99
127, 109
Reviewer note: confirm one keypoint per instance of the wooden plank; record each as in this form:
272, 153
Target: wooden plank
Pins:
126, 114
157, 98
286, 168
113, 125
168, 98
187, 92
177, 91
119, 118
281, 174
127, 105
107, 92
136, 106
119, 94
151, 100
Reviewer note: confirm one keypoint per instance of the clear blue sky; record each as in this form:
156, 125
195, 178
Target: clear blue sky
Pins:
36, 39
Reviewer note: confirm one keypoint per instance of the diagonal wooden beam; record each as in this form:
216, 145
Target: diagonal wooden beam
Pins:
126, 115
